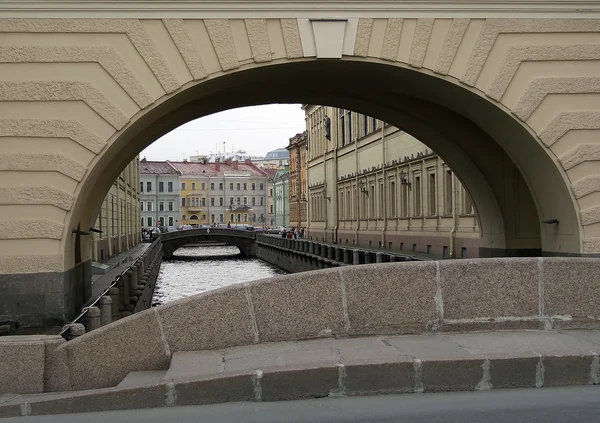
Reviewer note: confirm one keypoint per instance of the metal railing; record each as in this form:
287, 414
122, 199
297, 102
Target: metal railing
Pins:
81, 317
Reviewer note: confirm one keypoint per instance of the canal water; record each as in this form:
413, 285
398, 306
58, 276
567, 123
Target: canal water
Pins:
193, 270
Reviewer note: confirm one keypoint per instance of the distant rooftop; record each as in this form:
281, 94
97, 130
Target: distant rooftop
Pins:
156, 168
280, 153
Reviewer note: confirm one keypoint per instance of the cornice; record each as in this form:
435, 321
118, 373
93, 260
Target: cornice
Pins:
298, 9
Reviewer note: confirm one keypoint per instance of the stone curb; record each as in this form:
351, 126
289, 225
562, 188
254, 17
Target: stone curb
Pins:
368, 377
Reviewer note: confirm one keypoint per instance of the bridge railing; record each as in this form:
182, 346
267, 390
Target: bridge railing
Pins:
104, 309
239, 233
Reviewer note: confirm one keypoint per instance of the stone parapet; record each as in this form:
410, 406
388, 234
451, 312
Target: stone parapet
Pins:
377, 299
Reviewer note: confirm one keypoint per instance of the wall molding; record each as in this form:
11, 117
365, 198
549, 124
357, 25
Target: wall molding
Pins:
200, 9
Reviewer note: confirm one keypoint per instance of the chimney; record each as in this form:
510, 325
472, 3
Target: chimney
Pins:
248, 162
235, 165
217, 164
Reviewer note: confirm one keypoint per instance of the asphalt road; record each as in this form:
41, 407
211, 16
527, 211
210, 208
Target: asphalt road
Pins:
546, 405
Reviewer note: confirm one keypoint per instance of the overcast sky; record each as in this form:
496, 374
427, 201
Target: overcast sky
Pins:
255, 130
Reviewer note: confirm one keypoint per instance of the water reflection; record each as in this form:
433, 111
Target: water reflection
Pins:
198, 269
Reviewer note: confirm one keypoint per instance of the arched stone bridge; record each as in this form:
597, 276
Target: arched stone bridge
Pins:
244, 240
508, 93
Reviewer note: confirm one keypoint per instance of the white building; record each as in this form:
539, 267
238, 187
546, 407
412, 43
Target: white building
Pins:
159, 194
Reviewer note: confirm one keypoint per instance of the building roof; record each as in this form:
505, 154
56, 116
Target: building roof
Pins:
210, 169
298, 140
280, 153
270, 172
156, 168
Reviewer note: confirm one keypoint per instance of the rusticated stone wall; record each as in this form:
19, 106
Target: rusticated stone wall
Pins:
79, 98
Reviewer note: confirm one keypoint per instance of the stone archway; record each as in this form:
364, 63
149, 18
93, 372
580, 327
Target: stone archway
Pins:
511, 104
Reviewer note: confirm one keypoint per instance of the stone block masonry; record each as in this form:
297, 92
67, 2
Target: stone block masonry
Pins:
301, 255
338, 368
382, 299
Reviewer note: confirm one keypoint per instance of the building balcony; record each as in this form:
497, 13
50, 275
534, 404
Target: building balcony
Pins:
195, 208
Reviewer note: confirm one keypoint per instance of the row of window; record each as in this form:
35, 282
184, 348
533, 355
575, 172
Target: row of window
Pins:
410, 194
161, 186
239, 217
201, 201
350, 127
161, 205
116, 216
351, 131
239, 186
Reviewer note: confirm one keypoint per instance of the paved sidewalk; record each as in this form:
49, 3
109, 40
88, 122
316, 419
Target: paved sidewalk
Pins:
342, 367
118, 264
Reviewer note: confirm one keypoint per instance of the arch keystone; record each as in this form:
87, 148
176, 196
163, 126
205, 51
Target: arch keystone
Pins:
36, 195
30, 229
363, 37
391, 41
586, 186
420, 42
329, 37
291, 38
582, 153
185, 45
221, 37
258, 36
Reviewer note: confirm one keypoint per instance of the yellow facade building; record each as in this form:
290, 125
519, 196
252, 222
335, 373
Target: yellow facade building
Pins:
372, 185
221, 193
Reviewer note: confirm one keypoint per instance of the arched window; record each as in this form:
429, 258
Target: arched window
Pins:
193, 217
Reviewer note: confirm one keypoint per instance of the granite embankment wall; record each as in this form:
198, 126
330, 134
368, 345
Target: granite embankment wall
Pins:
301, 255
377, 299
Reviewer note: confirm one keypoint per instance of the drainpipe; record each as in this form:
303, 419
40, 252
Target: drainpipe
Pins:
325, 189
335, 197
454, 218
157, 199
358, 198
385, 213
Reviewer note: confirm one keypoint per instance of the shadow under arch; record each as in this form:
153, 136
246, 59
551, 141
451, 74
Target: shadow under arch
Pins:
512, 180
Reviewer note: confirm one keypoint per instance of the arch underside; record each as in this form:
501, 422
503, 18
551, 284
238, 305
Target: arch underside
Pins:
469, 132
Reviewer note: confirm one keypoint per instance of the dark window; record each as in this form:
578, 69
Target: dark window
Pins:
349, 127
141, 187
343, 130
170, 186
148, 186
161, 187
183, 202
212, 187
